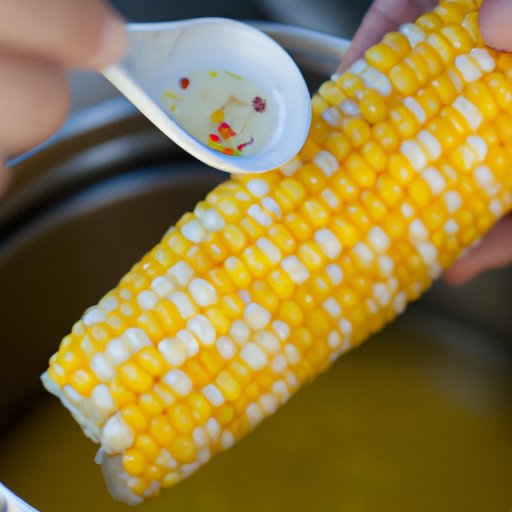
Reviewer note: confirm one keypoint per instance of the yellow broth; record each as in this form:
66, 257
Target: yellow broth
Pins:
408, 422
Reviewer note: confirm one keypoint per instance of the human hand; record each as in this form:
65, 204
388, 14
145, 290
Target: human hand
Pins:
39, 42
495, 249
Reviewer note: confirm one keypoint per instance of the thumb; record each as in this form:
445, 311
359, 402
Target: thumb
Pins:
495, 22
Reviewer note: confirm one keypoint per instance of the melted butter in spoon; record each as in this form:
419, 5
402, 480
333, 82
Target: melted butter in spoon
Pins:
224, 110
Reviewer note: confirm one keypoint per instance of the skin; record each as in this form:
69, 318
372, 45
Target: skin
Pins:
41, 41
495, 249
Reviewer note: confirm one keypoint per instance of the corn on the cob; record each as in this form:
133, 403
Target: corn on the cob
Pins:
273, 276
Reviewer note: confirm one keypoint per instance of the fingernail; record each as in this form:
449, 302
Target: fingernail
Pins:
112, 43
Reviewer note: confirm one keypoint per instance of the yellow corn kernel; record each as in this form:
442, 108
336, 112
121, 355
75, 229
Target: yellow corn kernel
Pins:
387, 135
70, 360
134, 462
225, 415
315, 212
151, 360
358, 215
300, 229
311, 177
398, 43
363, 174
450, 13
219, 279
281, 283
293, 189
200, 408
146, 444
319, 131
458, 38
430, 22
350, 84
338, 145
148, 322
429, 101
310, 255
120, 393
238, 272
382, 57
504, 127
405, 121
347, 233
229, 387
357, 131
256, 262
419, 192
262, 294
150, 404
374, 155
57, 375
220, 321
196, 372
394, 225
134, 377
161, 430
442, 47
443, 131
233, 305
429, 58
404, 79
181, 418
421, 70
373, 106
478, 93
318, 105
212, 362
83, 381
501, 89
134, 417
309, 150
331, 93
374, 206
183, 449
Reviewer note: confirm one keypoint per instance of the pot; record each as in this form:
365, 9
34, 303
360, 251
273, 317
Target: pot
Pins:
419, 418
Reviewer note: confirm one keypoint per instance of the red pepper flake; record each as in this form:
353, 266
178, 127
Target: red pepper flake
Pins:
242, 146
259, 104
214, 137
228, 151
184, 82
225, 131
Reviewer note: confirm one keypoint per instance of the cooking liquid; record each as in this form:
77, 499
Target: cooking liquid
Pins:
400, 424
224, 110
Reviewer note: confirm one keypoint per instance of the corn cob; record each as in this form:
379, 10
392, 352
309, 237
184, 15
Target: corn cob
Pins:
273, 276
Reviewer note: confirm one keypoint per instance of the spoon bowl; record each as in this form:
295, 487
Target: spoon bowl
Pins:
160, 57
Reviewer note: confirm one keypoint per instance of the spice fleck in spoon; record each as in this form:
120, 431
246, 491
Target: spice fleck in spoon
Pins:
222, 90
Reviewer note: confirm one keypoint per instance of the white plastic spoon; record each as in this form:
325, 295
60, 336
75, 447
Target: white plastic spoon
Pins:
160, 54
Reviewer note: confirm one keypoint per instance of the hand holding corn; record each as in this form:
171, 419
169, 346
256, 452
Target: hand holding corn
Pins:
273, 276
495, 249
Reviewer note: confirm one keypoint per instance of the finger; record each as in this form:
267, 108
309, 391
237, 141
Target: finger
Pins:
34, 104
382, 17
85, 34
494, 19
494, 251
